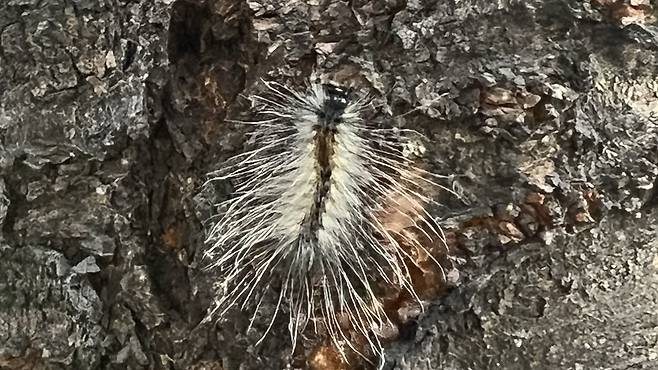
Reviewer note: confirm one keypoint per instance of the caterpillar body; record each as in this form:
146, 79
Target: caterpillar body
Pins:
308, 226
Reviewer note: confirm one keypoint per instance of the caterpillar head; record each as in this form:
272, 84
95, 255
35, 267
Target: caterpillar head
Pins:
332, 110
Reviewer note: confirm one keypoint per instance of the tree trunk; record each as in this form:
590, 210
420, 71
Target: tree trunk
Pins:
545, 113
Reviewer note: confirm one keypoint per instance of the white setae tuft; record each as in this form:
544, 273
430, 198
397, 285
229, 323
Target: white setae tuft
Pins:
304, 228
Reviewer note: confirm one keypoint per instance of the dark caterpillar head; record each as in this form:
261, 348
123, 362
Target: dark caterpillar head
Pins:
331, 113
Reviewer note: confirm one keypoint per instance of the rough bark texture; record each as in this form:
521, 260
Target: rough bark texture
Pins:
112, 112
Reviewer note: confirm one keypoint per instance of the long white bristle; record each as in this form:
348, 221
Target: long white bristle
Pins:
266, 240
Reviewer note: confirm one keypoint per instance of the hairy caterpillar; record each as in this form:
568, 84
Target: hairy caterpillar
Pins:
305, 227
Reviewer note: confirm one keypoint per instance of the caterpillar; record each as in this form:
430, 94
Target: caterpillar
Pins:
316, 223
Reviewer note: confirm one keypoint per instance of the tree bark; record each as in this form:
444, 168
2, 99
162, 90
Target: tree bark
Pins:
545, 113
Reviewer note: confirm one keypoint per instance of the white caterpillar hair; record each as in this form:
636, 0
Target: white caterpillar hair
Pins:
306, 219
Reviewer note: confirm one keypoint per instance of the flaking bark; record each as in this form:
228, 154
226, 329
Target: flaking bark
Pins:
112, 112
